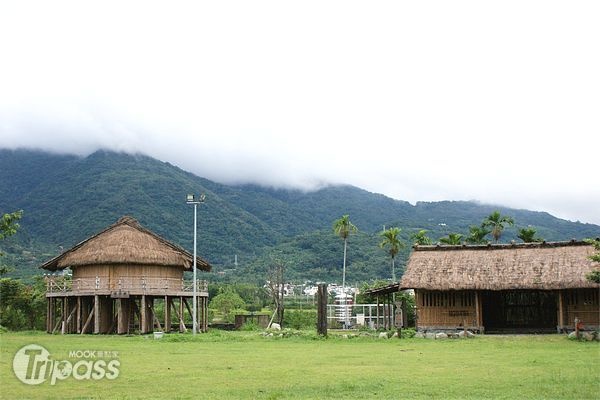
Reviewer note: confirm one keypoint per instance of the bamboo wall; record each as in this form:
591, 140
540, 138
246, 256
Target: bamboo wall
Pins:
583, 304
448, 309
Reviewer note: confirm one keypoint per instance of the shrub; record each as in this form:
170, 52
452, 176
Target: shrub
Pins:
300, 319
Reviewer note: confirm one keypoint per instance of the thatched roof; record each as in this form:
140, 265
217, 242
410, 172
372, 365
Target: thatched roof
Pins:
125, 242
547, 266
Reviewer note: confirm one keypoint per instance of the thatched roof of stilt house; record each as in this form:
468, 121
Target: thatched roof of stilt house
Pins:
125, 242
544, 266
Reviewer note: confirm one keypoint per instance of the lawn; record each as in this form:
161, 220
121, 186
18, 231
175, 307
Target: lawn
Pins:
223, 365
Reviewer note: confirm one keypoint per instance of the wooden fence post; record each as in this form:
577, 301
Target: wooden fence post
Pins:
322, 310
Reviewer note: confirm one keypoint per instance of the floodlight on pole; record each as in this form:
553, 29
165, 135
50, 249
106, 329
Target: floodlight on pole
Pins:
191, 199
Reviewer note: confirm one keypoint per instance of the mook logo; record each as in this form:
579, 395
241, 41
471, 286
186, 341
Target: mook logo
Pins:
34, 365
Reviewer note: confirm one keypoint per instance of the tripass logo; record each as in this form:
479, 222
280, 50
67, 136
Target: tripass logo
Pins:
34, 365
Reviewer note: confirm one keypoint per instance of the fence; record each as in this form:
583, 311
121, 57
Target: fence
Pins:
372, 315
63, 284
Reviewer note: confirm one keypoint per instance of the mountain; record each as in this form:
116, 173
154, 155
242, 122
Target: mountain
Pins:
67, 199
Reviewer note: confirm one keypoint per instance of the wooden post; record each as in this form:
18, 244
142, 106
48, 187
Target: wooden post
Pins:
96, 313
182, 327
167, 314
561, 312
50, 315
179, 313
377, 324
205, 314
322, 309
123, 316
143, 315
65, 310
87, 322
417, 299
477, 311
391, 306
78, 327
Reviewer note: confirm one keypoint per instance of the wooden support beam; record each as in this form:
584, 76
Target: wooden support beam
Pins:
87, 322
78, 324
96, 313
377, 324
65, 327
188, 307
50, 314
179, 314
322, 309
156, 320
205, 314
417, 299
143, 314
123, 316
478, 317
561, 311
59, 322
167, 314
65, 312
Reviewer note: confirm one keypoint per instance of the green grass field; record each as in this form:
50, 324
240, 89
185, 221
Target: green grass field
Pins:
224, 365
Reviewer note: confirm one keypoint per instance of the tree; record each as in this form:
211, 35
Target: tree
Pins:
452, 239
496, 222
343, 228
226, 302
477, 234
390, 241
275, 283
420, 238
527, 235
594, 276
9, 224
8, 227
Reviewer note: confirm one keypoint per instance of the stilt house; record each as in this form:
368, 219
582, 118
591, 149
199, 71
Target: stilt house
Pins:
118, 276
530, 287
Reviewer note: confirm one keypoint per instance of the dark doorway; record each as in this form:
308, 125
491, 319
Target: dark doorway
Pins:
519, 311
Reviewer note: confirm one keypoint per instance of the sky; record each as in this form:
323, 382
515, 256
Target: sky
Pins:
494, 101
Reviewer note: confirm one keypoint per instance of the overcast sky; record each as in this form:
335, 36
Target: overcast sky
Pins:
497, 101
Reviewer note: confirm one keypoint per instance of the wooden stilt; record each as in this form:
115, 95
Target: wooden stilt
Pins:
561, 312
182, 327
179, 317
188, 307
155, 318
167, 307
96, 313
87, 322
477, 310
50, 315
123, 317
66, 322
65, 311
79, 322
143, 314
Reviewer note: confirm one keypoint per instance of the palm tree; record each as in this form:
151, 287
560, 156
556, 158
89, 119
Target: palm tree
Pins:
477, 235
390, 239
452, 239
343, 228
421, 238
527, 235
496, 222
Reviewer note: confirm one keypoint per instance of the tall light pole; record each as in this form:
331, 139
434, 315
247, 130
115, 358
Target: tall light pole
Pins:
191, 199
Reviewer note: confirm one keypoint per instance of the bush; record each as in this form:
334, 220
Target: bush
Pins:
251, 325
300, 319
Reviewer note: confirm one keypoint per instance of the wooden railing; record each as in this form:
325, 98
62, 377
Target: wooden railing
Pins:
62, 284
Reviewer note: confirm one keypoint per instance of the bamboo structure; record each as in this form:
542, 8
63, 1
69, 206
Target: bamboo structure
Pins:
121, 278
527, 287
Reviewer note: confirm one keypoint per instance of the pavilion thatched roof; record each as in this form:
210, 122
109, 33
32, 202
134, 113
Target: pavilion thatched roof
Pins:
545, 266
125, 242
